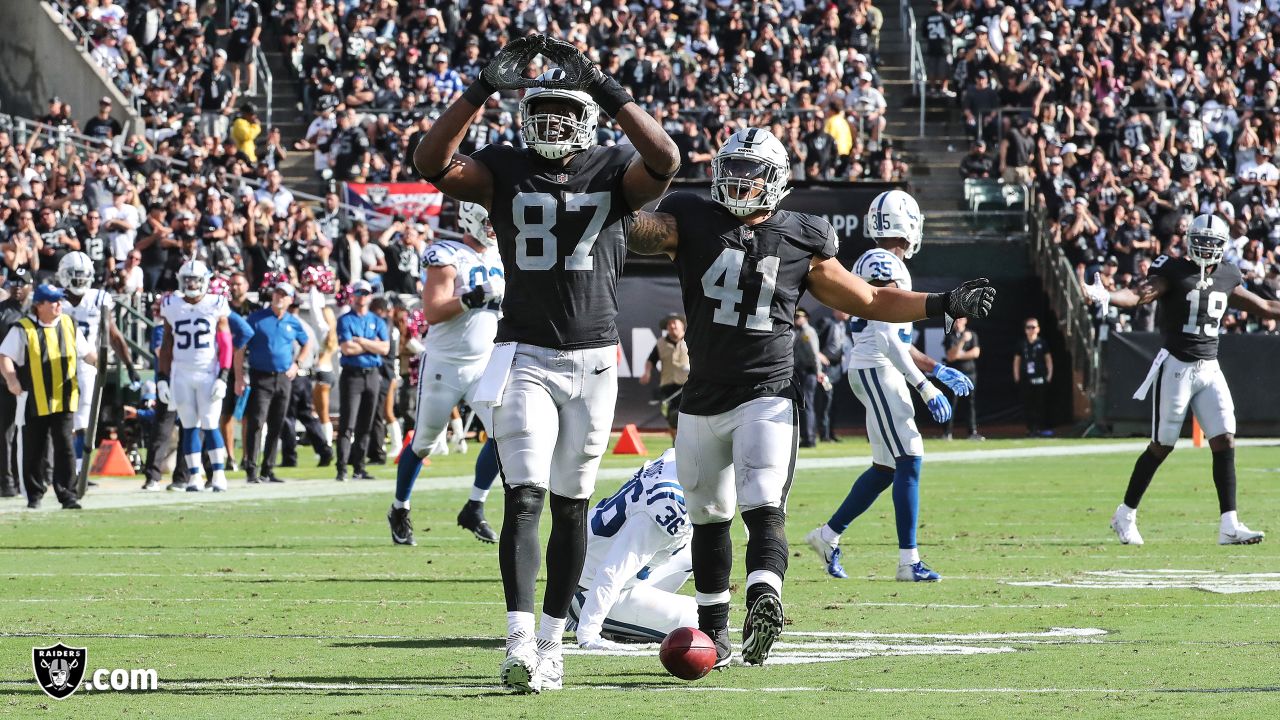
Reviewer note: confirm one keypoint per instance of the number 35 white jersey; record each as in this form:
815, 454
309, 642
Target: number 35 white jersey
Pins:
193, 326
872, 339
88, 314
468, 337
647, 513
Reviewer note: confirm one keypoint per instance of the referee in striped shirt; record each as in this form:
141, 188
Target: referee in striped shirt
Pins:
38, 359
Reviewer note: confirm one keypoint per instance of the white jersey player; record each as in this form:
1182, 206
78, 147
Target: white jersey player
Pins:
637, 558
880, 366
195, 358
461, 299
87, 306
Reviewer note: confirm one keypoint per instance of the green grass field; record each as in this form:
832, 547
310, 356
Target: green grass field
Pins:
289, 602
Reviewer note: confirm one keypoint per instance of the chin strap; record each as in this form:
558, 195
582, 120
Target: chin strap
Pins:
1204, 281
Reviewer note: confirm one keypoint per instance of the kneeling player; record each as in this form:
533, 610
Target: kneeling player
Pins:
1194, 292
883, 361
637, 557
197, 354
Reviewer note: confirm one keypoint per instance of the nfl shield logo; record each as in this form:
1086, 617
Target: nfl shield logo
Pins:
377, 194
561, 178
59, 669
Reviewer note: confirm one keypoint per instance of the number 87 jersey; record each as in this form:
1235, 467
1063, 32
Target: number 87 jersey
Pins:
1191, 315
560, 234
193, 326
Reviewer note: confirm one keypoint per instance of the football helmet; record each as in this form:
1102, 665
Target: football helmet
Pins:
750, 172
895, 214
75, 273
555, 135
193, 279
1207, 240
473, 219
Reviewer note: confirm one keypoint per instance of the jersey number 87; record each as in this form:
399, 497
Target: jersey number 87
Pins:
542, 232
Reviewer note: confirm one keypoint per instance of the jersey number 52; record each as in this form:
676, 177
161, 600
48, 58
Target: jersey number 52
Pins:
536, 242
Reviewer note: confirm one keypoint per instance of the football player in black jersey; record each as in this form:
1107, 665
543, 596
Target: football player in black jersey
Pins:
743, 266
557, 208
1195, 291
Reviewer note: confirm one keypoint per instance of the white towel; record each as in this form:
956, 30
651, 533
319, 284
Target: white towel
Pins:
1150, 380
494, 379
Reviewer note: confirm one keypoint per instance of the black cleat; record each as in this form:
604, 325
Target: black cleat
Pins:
150, 485
175, 487
252, 480
724, 649
363, 475
71, 504
326, 456
271, 478
401, 526
762, 627
472, 518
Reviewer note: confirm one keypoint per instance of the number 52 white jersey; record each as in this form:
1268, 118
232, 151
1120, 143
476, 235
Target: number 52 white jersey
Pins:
193, 326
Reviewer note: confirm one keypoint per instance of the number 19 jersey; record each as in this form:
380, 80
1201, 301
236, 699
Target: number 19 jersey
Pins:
740, 287
1190, 316
193, 326
560, 234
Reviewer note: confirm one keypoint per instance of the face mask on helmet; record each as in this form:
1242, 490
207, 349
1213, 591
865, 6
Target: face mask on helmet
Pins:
76, 281
473, 220
558, 122
746, 185
1205, 249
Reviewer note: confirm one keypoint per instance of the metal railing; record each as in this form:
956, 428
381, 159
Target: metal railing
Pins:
919, 78
1069, 304
261, 77
69, 20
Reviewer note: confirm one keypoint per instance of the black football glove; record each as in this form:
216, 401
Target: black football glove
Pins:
506, 70
972, 299
579, 73
475, 298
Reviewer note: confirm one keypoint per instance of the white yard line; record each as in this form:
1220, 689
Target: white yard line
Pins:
125, 493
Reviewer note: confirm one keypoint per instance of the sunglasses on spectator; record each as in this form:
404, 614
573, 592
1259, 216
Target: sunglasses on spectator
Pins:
1033, 327
363, 293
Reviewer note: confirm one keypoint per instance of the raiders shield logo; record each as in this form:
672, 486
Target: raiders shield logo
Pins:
377, 195
59, 669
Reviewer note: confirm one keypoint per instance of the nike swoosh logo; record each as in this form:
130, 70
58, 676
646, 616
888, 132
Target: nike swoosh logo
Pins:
597, 372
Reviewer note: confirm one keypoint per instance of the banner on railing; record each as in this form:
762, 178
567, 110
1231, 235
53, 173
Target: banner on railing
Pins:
383, 202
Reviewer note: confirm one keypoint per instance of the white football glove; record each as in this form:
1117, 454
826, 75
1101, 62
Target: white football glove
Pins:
495, 289
162, 392
600, 644
1098, 294
219, 390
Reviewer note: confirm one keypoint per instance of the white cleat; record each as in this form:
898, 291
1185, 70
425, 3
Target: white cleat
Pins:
459, 446
1125, 523
1240, 535
519, 670
550, 673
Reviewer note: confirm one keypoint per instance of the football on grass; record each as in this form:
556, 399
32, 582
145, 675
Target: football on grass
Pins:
688, 653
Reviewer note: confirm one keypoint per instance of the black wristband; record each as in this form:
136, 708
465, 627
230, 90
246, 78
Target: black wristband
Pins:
223, 374
478, 92
161, 377
610, 95
935, 305
433, 179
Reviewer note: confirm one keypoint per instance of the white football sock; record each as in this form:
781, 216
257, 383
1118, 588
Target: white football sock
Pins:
768, 577
910, 556
551, 630
829, 536
478, 495
455, 429
1229, 521
400, 505
519, 624
396, 435
326, 430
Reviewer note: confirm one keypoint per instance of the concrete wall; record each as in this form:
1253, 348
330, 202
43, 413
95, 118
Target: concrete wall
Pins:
39, 59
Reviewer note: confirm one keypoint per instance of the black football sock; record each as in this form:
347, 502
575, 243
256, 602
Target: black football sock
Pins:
566, 551
766, 551
1224, 478
712, 551
518, 552
1143, 471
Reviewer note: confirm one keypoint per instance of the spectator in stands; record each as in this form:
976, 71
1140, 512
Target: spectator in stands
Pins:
103, 125
245, 130
978, 165
981, 103
217, 97
245, 33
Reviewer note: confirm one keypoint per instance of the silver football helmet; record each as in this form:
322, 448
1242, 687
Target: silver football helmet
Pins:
75, 273
1207, 240
750, 172
193, 279
555, 135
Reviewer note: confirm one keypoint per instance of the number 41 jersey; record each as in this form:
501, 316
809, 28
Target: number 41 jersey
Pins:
562, 243
1190, 316
740, 287
193, 326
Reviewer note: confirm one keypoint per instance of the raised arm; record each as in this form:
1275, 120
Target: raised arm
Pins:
1242, 299
1148, 290
658, 158
836, 287
436, 157
652, 233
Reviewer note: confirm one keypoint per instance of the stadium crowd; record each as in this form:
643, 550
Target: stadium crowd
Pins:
1127, 120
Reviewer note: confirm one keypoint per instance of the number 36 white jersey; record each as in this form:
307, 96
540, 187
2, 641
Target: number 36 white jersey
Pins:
468, 337
88, 314
193, 326
643, 524
876, 343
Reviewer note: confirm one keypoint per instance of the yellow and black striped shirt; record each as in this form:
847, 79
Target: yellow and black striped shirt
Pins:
49, 373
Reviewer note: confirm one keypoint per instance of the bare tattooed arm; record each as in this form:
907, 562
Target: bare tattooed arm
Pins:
652, 233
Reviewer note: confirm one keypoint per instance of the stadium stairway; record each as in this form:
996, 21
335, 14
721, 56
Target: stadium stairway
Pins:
288, 115
935, 154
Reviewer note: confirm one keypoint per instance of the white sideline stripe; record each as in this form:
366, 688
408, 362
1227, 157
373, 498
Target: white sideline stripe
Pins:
128, 496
